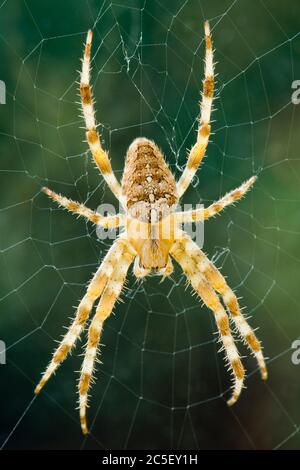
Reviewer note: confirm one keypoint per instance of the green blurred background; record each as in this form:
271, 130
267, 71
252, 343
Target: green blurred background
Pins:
162, 384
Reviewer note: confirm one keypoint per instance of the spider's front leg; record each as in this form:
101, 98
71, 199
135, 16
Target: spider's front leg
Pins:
100, 156
104, 309
198, 150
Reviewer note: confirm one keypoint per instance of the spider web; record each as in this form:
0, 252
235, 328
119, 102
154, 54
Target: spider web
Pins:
162, 384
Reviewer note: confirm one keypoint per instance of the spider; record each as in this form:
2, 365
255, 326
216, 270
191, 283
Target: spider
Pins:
152, 235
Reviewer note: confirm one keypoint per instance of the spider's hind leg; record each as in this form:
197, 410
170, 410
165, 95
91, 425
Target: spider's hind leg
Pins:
183, 255
94, 290
216, 279
103, 311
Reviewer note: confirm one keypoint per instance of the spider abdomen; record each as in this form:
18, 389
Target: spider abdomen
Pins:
148, 184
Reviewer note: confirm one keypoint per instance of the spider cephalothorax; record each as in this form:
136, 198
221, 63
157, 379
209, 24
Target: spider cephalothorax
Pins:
152, 235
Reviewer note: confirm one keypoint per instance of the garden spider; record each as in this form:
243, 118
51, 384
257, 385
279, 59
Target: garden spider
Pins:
151, 236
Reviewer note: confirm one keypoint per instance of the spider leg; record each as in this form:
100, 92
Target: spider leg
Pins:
109, 222
198, 215
198, 150
99, 154
181, 254
217, 281
94, 290
104, 309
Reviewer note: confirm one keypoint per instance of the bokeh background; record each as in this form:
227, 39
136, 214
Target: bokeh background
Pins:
162, 384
